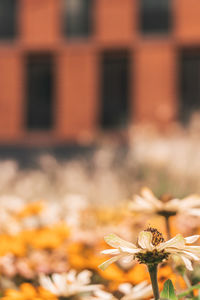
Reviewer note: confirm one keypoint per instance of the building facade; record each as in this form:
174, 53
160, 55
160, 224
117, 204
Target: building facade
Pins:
71, 68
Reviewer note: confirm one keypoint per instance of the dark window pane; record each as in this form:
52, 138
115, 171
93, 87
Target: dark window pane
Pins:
77, 18
155, 16
39, 91
115, 89
189, 83
7, 19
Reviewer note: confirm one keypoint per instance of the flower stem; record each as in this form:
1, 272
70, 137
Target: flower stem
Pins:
154, 281
167, 223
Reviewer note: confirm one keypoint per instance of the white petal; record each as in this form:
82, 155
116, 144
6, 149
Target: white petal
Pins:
125, 288
71, 276
114, 241
193, 212
192, 239
140, 291
187, 262
46, 283
193, 249
84, 277
129, 250
190, 201
149, 196
127, 259
173, 204
177, 242
140, 286
111, 251
191, 255
140, 204
60, 282
102, 295
144, 240
88, 288
108, 262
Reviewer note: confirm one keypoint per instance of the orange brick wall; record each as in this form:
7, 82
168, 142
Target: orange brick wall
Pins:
77, 102
115, 21
187, 21
155, 82
76, 109
39, 23
10, 95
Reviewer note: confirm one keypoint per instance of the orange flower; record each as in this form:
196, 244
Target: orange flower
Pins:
31, 209
28, 292
48, 238
137, 274
113, 273
12, 244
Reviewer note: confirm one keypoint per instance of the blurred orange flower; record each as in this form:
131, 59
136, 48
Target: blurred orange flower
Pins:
28, 292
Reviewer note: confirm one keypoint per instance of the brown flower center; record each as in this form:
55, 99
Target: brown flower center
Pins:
157, 237
166, 198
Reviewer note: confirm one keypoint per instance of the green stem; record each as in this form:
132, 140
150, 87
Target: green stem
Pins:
167, 223
194, 287
154, 281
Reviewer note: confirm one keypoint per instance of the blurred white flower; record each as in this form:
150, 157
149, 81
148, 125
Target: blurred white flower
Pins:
152, 248
8, 171
142, 290
73, 205
148, 203
68, 284
100, 295
8, 223
11, 203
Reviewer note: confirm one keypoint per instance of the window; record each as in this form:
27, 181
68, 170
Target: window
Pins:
115, 77
189, 83
78, 18
39, 91
7, 19
155, 16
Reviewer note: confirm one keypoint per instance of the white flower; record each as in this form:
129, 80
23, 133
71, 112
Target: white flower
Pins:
152, 249
148, 203
100, 295
68, 284
140, 291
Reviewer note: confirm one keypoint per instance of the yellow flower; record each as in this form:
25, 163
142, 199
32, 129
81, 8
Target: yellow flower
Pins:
28, 292
31, 209
48, 238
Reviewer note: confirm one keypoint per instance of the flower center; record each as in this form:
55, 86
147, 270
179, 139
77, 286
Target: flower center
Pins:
157, 237
166, 198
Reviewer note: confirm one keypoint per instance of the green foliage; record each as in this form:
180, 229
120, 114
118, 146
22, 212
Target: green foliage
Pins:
189, 291
168, 291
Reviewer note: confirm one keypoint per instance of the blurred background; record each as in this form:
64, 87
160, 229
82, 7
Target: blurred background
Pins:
79, 76
107, 84
98, 98
72, 69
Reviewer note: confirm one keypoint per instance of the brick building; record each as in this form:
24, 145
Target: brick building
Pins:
69, 68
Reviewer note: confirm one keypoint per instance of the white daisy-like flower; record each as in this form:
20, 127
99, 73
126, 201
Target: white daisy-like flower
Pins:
151, 249
100, 295
140, 291
68, 284
148, 203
